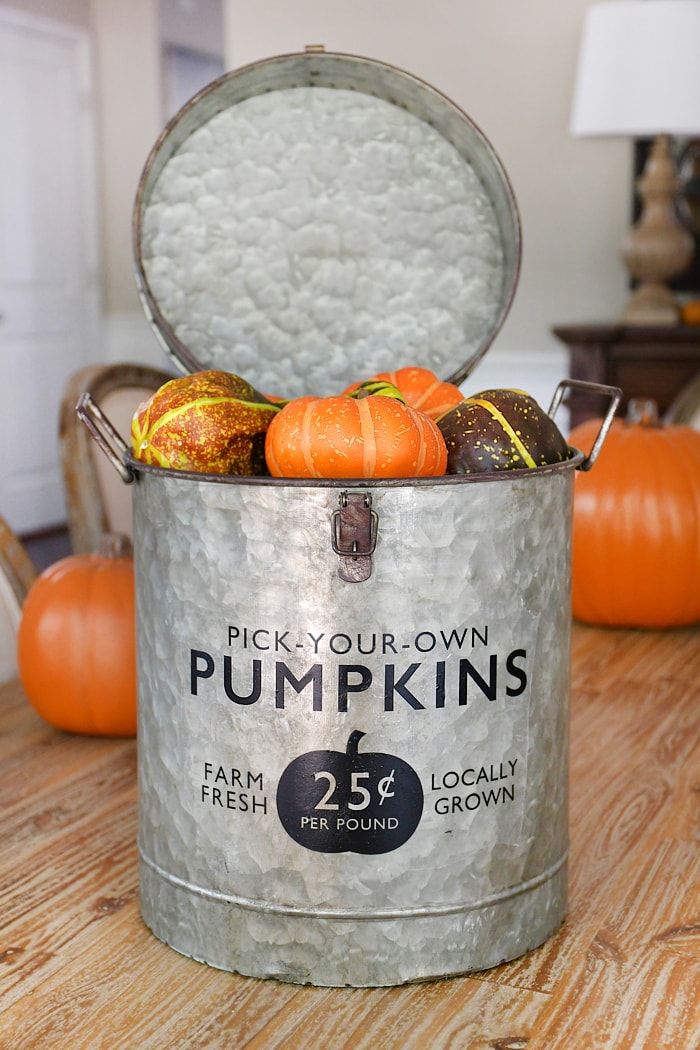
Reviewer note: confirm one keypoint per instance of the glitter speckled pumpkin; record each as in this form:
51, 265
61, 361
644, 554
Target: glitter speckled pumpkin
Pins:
212, 422
500, 430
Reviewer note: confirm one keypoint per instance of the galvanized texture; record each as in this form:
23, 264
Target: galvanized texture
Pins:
316, 218
429, 836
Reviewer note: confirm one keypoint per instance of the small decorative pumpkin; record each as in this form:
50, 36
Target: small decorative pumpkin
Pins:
372, 433
210, 421
421, 389
76, 645
500, 430
636, 545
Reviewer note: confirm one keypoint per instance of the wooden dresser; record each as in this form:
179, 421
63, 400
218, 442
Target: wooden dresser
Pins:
644, 362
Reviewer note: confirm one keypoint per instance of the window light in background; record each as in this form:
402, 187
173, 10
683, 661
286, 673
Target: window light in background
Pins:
639, 77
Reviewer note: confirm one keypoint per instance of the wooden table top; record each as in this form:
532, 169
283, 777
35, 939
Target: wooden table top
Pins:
80, 970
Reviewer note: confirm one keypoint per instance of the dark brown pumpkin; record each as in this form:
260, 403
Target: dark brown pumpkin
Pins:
500, 430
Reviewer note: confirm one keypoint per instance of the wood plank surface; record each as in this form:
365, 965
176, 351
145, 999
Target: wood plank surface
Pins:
80, 971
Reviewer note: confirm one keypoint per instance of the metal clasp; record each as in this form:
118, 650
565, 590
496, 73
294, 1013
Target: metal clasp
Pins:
354, 536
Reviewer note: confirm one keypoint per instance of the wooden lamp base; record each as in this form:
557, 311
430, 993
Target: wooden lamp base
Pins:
657, 248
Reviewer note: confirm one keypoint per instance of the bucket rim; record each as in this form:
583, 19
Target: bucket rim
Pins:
573, 462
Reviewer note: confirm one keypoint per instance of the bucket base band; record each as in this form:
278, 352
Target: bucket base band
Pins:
367, 951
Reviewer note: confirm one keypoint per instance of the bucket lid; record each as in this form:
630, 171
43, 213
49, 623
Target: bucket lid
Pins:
313, 219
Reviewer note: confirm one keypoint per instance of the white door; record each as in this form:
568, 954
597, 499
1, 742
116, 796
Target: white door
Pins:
49, 319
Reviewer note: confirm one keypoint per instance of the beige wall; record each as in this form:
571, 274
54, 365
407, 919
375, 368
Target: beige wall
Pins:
77, 12
127, 46
194, 24
510, 65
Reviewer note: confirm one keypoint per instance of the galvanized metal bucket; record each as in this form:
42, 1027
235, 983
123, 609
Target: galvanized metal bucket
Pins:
343, 782
353, 695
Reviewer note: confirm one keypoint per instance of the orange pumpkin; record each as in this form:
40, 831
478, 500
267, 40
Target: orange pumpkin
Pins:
690, 312
76, 646
366, 435
421, 389
636, 545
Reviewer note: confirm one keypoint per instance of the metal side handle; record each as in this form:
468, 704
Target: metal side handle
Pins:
106, 435
600, 390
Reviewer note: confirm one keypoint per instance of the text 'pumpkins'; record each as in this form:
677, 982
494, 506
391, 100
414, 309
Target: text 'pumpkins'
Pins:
636, 545
76, 645
371, 433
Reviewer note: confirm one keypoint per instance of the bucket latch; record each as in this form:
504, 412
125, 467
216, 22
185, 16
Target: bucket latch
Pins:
354, 536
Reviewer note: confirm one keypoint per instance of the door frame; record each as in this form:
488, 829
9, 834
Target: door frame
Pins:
89, 327
80, 39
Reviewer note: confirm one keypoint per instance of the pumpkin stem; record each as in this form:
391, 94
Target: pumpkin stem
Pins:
115, 545
378, 387
643, 411
354, 741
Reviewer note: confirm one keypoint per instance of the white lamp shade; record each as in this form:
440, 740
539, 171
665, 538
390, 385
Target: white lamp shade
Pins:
639, 69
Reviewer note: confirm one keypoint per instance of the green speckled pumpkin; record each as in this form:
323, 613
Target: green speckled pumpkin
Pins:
209, 421
500, 430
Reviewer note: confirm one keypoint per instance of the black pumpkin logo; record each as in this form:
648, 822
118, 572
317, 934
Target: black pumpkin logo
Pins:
347, 802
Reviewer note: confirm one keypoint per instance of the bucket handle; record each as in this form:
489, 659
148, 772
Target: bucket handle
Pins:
600, 390
105, 434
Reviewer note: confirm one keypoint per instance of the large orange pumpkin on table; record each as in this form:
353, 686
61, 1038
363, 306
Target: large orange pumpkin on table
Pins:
369, 434
636, 545
76, 645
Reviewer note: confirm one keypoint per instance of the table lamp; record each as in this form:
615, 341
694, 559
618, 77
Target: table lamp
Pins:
639, 76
